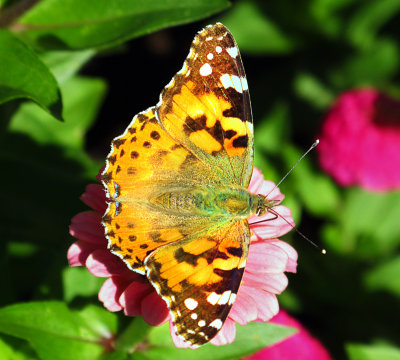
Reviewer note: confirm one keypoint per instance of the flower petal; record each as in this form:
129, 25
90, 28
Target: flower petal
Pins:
111, 291
102, 263
267, 303
226, 335
274, 283
131, 299
87, 226
244, 308
78, 252
266, 257
291, 253
154, 309
95, 197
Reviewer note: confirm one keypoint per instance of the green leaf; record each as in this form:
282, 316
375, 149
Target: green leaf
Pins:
53, 330
73, 24
363, 27
65, 64
79, 282
9, 352
372, 352
133, 334
82, 100
385, 277
310, 88
372, 67
367, 224
249, 339
24, 75
258, 36
318, 193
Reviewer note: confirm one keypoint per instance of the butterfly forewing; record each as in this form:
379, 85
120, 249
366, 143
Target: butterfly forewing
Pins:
206, 106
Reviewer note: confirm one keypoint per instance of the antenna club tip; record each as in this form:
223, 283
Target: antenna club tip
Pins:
323, 251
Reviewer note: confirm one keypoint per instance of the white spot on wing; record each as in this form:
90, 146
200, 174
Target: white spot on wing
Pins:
231, 81
209, 38
224, 298
213, 298
210, 56
232, 299
193, 316
217, 323
201, 323
218, 49
191, 304
245, 86
233, 52
205, 70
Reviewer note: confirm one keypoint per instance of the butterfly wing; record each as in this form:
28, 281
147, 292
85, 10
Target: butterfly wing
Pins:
206, 106
199, 278
143, 162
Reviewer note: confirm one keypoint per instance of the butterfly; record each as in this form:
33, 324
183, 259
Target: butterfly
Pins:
176, 182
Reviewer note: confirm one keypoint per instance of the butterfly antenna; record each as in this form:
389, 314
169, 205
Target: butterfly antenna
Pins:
321, 250
295, 164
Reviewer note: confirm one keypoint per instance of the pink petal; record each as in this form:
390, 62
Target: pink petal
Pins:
131, 299
154, 309
244, 308
87, 226
274, 283
111, 291
265, 257
78, 252
267, 303
226, 335
102, 263
256, 181
95, 197
176, 339
291, 253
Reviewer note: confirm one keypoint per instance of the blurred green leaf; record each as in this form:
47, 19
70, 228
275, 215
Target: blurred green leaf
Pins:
8, 352
65, 64
309, 88
74, 24
23, 75
363, 27
385, 277
372, 67
82, 99
367, 224
249, 339
258, 36
100, 321
372, 352
53, 330
318, 193
133, 334
79, 281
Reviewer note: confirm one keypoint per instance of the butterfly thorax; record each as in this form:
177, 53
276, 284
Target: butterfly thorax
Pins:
233, 202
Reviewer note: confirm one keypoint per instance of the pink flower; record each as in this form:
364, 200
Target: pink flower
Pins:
299, 346
125, 290
360, 140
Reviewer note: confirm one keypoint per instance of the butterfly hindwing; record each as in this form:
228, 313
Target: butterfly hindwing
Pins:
199, 278
206, 106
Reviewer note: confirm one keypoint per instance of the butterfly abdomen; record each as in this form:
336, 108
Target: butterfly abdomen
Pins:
208, 201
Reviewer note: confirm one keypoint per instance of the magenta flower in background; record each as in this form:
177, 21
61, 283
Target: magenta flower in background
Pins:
299, 346
360, 140
126, 290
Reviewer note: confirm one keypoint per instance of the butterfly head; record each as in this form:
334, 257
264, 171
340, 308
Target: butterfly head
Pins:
264, 204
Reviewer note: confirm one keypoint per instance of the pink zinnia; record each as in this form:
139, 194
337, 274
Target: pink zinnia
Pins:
300, 346
126, 290
360, 140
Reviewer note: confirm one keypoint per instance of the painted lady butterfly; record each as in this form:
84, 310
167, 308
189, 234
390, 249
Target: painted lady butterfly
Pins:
177, 181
